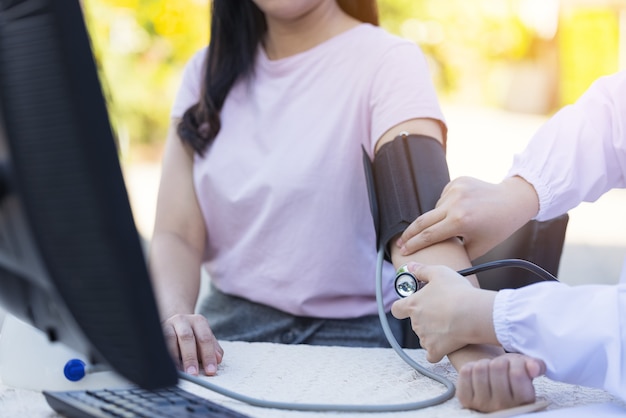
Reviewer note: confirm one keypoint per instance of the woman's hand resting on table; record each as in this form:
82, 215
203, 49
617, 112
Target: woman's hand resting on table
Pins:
191, 343
482, 214
499, 383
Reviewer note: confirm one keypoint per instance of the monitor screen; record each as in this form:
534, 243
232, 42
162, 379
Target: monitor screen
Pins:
71, 261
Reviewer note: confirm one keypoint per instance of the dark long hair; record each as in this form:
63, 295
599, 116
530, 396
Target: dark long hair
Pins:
237, 28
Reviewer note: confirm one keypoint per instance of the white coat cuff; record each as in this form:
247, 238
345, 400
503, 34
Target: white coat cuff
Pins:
501, 318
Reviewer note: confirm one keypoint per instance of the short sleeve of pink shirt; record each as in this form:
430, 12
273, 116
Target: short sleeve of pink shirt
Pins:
282, 187
399, 92
401, 87
189, 92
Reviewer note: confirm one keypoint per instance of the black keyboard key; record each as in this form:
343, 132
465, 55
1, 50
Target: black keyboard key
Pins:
136, 403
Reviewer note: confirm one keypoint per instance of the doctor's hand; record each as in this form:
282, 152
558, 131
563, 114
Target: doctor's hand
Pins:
482, 214
191, 342
448, 312
503, 382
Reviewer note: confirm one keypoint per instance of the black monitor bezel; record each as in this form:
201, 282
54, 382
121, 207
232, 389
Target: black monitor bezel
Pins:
81, 275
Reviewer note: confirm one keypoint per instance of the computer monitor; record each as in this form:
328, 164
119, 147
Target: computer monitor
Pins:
71, 261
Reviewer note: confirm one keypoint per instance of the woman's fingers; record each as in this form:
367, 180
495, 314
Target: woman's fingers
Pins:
191, 342
494, 384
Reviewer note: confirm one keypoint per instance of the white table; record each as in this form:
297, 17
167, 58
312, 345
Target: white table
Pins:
314, 374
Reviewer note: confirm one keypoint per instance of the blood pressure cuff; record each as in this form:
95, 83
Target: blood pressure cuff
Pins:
405, 180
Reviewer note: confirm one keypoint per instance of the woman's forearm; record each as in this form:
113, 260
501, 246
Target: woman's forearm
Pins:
175, 270
478, 322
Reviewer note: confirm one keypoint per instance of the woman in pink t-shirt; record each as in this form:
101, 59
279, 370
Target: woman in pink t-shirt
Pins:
263, 184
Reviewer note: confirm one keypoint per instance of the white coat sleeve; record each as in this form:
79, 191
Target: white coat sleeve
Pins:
578, 331
580, 153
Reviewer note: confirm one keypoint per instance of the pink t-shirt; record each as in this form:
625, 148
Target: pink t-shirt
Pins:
282, 188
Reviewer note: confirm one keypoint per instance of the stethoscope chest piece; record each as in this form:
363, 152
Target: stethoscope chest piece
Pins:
406, 283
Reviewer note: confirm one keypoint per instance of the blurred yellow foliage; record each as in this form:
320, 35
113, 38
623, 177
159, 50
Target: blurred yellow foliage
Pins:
141, 47
497, 52
587, 45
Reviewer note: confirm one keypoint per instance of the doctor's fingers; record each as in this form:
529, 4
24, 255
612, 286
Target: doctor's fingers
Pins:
436, 343
435, 350
420, 234
401, 309
404, 308
412, 305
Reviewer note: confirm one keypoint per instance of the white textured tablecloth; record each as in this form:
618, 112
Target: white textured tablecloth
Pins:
314, 374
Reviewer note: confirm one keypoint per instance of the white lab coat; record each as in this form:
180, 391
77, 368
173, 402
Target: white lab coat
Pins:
579, 331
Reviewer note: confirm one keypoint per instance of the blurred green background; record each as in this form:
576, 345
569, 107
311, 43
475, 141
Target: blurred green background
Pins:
530, 56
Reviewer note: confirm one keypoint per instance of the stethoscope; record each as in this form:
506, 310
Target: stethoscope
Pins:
406, 283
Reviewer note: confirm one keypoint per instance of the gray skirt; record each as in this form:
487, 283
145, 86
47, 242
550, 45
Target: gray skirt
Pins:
236, 319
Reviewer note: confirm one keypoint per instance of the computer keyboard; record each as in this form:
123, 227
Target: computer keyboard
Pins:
136, 402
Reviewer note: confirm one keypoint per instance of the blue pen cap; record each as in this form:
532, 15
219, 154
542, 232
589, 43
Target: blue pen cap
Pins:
74, 370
